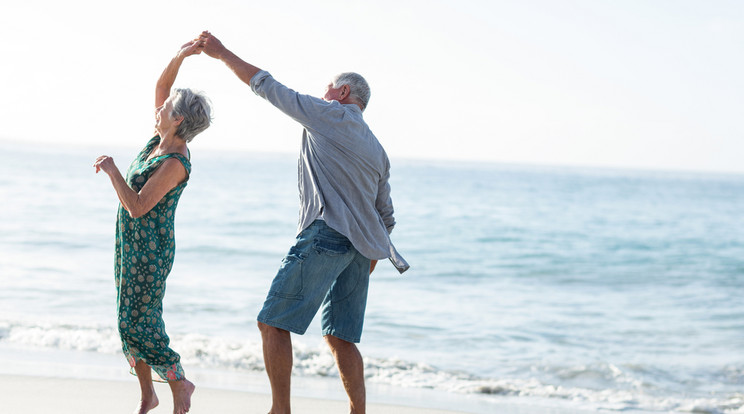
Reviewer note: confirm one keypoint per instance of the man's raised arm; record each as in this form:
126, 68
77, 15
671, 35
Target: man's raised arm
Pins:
214, 48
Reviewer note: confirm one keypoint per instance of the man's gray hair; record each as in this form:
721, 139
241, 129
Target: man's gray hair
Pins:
359, 87
195, 109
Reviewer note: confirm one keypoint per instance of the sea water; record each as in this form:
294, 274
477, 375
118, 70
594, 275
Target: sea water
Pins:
588, 288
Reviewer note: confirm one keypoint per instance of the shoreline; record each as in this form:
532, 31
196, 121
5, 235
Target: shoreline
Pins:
27, 394
36, 395
36, 381
45, 380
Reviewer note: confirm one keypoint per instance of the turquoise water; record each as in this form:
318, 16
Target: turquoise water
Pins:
601, 289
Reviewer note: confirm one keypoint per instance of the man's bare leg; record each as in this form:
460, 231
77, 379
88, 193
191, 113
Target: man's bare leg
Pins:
182, 391
148, 399
351, 368
277, 351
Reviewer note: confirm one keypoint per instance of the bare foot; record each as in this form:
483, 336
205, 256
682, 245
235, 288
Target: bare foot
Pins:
182, 391
145, 405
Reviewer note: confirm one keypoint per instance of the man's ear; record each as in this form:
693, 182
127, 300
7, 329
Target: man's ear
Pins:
178, 121
345, 91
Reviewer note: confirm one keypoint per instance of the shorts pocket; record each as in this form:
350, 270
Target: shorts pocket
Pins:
295, 255
331, 246
288, 281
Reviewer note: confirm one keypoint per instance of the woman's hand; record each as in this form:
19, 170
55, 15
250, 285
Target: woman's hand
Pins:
104, 163
193, 47
168, 77
168, 175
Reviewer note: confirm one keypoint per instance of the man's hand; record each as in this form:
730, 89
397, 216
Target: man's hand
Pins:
211, 45
214, 48
372, 265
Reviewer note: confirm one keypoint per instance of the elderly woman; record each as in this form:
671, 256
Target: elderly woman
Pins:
145, 242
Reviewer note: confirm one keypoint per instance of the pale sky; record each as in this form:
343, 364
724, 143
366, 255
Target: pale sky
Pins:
627, 83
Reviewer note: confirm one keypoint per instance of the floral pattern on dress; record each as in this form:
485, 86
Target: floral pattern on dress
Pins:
144, 253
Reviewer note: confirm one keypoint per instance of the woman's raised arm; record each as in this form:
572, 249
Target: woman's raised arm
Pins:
168, 77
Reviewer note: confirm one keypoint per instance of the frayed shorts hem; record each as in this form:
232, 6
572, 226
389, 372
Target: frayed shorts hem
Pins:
282, 326
342, 337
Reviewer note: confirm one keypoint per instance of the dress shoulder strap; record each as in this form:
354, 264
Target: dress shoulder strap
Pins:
180, 157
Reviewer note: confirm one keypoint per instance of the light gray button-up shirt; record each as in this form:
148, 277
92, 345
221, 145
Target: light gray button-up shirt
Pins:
343, 170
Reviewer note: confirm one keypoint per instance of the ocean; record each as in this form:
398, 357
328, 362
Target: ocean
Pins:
587, 289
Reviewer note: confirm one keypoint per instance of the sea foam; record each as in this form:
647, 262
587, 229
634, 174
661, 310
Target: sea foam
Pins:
238, 355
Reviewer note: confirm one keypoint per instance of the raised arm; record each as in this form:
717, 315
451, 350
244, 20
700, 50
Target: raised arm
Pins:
214, 48
168, 77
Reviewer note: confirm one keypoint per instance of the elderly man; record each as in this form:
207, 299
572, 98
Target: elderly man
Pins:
346, 216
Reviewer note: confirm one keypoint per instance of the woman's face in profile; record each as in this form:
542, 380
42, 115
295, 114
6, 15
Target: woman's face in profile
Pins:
163, 118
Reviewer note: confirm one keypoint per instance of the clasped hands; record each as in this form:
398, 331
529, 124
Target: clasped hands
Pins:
206, 42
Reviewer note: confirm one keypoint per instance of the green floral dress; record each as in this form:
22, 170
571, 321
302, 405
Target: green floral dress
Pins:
145, 248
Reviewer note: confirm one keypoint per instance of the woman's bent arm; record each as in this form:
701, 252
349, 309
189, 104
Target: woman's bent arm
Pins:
170, 174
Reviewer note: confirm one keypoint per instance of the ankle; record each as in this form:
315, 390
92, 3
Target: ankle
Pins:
149, 396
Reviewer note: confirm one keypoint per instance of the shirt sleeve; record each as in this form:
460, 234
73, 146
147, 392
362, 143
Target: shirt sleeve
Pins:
304, 109
384, 203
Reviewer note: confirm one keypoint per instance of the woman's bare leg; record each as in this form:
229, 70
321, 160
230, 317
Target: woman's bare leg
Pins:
148, 399
182, 391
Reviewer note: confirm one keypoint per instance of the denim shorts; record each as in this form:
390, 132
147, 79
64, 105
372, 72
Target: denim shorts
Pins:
322, 269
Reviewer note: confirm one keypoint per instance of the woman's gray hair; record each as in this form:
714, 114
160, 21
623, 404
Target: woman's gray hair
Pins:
359, 87
195, 109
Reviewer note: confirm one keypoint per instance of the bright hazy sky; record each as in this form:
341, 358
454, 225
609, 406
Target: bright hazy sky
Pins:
626, 83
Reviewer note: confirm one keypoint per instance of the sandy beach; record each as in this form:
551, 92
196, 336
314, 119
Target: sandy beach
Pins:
29, 395
36, 395
63, 381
